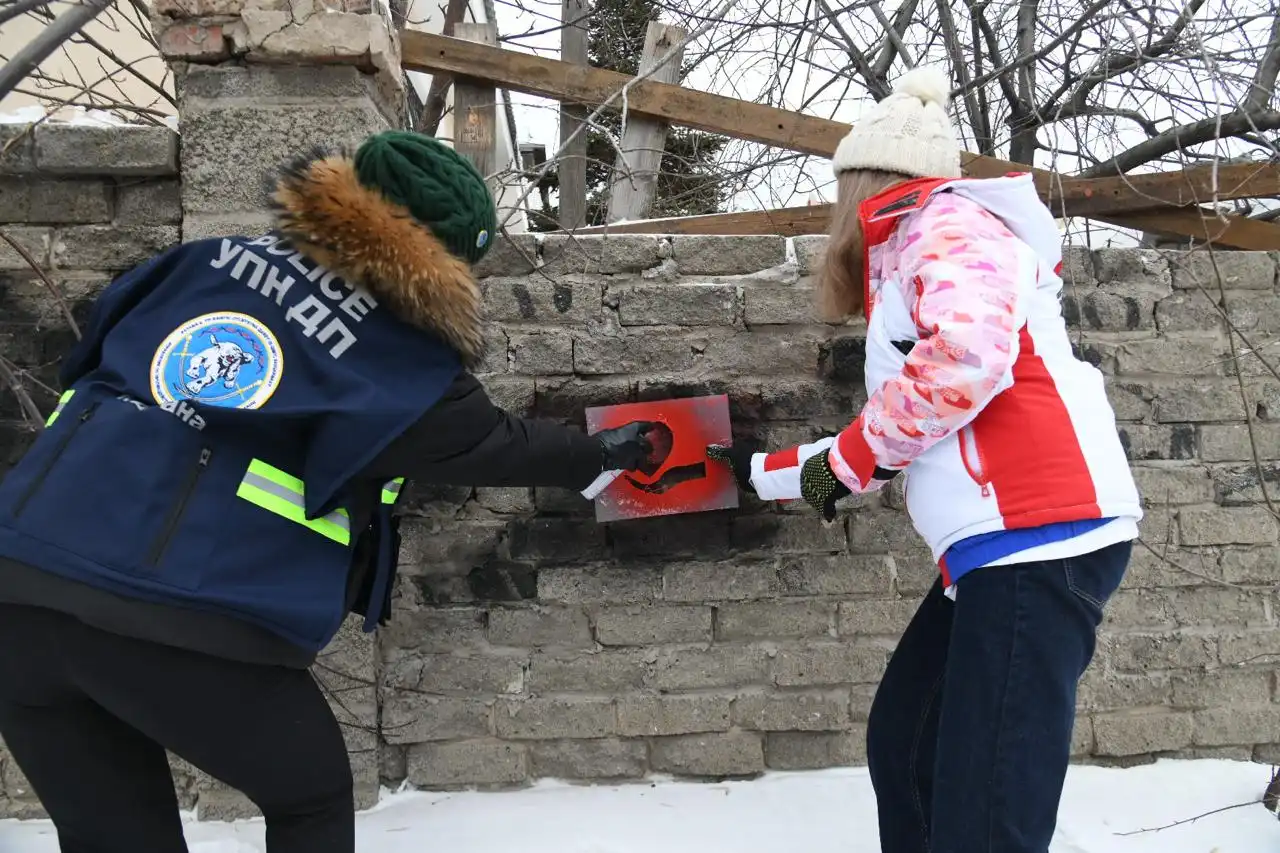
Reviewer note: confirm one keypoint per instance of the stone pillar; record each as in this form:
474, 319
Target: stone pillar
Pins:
260, 81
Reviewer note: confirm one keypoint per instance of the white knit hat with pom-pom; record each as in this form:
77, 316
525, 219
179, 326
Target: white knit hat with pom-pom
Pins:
908, 132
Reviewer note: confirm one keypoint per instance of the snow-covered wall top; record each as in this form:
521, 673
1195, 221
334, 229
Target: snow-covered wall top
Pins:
530, 641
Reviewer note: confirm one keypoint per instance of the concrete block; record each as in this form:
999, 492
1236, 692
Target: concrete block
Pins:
1139, 653
1260, 565
604, 253
565, 399
505, 499
1099, 310
1256, 647
436, 629
1203, 401
603, 758
1250, 311
1232, 270
828, 663
1226, 526
205, 226
1143, 442
845, 574
1171, 567
647, 715
647, 624
542, 627
1241, 484
810, 249
1131, 267
17, 149
883, 617
816, 750
36, 202
1101, 690
776, 533
510, 255
452, 673
768, 350
681, 536
1217, 607
717, 255
1222, 689
798, 399
1180, 356
717, 666
792, 711
635, 353
590, 584
542, 354
449, 765
549, 719
149, 203
229, 152
410, 717
1083, 739
761, 620
735, 581
715, 755
557, 539
36, 241
203, 42
676, 304
769, 305
1077, 267
1124, 734
608, 671
64, 149
536, 300
1163, 485
111, 247
1234, 724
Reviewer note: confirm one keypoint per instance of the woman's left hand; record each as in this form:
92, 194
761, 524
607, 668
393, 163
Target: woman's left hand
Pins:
738, 458
819, 486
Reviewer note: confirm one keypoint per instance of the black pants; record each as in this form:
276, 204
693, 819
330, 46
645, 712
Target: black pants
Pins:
969, 735
88, 716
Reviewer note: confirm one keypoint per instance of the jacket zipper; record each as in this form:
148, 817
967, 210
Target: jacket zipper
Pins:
53, 460
974, 458
175, 514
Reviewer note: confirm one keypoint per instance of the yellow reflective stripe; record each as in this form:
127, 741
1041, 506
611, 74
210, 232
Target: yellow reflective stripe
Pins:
280, 493
62, 404
391, 490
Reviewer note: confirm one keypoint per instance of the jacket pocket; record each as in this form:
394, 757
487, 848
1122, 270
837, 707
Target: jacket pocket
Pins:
972, 458
172, 520
39, 480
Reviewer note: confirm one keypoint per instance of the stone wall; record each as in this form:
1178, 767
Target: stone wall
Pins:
530, 641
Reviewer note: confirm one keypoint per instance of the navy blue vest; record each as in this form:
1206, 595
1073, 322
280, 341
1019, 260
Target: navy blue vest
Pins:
205, 452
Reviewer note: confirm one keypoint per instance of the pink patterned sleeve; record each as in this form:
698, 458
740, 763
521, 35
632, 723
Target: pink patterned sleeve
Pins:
961, 270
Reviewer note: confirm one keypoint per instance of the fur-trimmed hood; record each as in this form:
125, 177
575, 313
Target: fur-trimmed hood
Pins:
328, 215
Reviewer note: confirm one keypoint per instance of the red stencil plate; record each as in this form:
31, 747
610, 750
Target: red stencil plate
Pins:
687, 481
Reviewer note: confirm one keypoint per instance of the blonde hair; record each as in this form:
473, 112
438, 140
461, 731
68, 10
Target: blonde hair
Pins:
841, 275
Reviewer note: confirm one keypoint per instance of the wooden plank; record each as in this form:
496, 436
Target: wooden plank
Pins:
636, 168
437, 98
729, 116
475, 107
572, 168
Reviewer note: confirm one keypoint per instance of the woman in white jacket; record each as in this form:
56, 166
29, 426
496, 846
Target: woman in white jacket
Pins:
1015, 477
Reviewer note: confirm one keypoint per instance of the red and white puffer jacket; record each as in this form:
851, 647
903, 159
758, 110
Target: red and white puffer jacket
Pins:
994, 422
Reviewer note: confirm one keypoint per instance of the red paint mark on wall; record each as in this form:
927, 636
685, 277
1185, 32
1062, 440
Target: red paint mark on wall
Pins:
687, 481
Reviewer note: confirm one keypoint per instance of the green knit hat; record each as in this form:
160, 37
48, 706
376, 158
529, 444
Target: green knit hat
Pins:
438, 185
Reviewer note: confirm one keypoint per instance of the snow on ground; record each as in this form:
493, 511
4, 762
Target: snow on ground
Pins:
830, 810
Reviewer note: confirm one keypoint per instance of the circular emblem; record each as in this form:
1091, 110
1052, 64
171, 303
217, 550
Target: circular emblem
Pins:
221, 359
481, 239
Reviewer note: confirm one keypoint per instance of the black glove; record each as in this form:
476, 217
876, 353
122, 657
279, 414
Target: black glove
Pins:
628, 447
819, 486
738, 458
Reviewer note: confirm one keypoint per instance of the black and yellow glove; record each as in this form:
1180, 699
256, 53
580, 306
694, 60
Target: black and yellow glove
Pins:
820, 487
738, 458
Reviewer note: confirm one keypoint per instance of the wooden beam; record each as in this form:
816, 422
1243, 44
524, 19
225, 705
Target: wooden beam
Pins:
572, 168
475, 107
808, 134
1149, 200
639, 160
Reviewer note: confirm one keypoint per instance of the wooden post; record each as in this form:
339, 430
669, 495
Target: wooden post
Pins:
572, 168
475, 107
635, 174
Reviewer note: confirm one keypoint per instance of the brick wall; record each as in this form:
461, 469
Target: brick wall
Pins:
529, 641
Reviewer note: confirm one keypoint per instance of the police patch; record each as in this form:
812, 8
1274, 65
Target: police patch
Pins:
222, 359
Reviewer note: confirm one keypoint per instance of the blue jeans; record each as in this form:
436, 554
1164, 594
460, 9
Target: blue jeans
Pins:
969, 735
